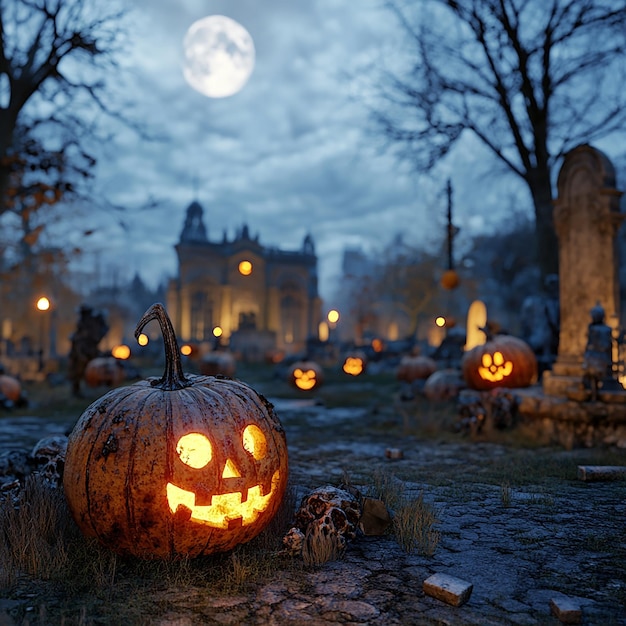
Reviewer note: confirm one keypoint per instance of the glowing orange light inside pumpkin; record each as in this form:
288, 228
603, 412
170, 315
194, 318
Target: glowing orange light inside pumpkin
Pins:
353, 365
245, 268
304, 379
143, 340
195, 450
495, 368
121, 352
186, 350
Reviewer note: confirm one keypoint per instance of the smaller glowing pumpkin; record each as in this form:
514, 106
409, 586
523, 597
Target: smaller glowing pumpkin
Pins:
105, 371
415, 368
305, 375
502, 361
10, 388
354, 364
443, 385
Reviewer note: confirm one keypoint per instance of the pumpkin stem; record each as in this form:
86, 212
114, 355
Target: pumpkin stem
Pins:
173, 377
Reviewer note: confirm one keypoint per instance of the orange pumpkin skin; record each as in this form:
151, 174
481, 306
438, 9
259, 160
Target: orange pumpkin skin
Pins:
104, 371
415, 368
503, 361
443, 385
124, 458
305, 375
10, 387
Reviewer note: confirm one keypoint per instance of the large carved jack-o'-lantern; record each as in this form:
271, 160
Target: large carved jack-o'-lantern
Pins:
176, 466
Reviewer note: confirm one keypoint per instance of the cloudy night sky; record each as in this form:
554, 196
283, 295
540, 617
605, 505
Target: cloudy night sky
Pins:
293, 152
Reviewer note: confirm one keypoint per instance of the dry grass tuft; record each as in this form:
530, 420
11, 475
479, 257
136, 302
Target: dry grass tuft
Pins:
413, 518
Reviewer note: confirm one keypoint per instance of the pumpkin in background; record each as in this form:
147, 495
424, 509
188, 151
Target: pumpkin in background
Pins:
10, 388
305, 375
177, 466
415, 368
443, 385
502, 361
104, 371
354, 364
450, 279
218, 363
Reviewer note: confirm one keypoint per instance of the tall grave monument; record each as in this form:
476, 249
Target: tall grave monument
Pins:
587, 218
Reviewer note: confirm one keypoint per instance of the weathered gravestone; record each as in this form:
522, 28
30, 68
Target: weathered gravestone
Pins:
587, 218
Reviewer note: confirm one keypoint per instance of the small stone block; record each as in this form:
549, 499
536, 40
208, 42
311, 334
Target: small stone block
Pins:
566, 610
448, 589
601, 472
394, 453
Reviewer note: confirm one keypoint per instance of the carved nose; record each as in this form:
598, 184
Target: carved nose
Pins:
230, 470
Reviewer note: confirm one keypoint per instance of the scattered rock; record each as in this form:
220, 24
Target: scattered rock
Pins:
448, 589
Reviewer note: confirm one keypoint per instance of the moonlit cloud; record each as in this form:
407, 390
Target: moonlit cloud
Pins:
292, 153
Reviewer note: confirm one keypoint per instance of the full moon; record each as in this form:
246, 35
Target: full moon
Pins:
219, 56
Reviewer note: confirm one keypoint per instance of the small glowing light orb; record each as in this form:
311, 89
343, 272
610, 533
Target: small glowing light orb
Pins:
219, 56
121, 352
217, 331
440, 321
333, 316
143, 340
43, 304
245, 268
186, 350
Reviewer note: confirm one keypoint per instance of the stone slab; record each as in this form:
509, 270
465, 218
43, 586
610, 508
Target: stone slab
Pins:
448, 589
601, 472
566, 610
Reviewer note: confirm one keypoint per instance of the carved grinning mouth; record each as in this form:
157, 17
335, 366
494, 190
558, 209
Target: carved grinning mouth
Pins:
225, 508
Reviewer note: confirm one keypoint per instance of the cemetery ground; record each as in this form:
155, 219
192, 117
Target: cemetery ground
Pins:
505, 515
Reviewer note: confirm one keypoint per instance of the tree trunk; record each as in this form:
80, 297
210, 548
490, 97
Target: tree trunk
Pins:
547, 248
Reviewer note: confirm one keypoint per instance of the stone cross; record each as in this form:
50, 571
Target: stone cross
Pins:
587, 218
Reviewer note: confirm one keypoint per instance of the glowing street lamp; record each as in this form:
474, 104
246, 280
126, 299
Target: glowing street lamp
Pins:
43, 304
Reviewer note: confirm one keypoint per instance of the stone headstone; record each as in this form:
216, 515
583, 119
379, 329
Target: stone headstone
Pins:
587, 218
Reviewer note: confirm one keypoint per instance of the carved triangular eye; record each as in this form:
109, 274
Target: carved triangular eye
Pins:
254, 441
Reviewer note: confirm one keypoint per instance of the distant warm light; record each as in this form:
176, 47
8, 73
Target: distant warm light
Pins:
440, 321
186, 350
377, 345
43, 304
333, 316
217, 331
245, 268
143, 340
121, 352
322, 331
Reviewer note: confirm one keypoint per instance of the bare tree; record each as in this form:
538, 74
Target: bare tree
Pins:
54, 56
531, 79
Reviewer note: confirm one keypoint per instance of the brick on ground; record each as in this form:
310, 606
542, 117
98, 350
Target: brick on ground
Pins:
601, 472
448, 589
566, 610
